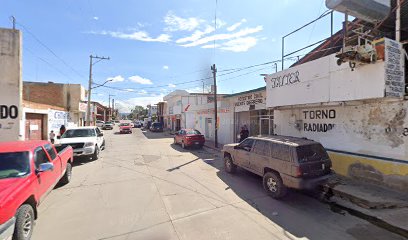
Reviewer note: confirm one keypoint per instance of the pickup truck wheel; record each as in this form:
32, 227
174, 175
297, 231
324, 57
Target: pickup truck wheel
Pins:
273, 185
68, 174
229, 166
95, 155
24, 223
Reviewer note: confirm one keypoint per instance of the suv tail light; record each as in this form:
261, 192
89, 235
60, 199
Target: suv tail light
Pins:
297, 171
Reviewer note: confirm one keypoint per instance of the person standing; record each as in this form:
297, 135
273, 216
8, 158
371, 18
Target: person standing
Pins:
62, 130
52, 136
244, 133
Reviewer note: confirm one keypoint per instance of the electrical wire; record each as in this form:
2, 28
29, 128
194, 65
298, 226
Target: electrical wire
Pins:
49, 49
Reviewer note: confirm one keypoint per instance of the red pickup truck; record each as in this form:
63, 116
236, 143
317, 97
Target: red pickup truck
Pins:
29, 170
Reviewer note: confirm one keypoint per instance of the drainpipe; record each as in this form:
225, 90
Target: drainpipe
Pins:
398, 22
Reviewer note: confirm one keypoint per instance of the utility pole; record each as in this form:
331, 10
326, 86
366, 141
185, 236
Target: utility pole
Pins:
110, 110
214, 70
88, 108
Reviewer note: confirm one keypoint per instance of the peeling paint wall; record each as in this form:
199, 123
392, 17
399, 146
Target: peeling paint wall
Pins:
366, 133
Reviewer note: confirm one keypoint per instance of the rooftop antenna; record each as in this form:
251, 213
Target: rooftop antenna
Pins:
13, 20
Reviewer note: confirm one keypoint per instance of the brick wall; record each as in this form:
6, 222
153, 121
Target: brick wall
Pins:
45, 93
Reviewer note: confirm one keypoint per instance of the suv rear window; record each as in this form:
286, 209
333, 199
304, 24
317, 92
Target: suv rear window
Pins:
311, 153
280, 151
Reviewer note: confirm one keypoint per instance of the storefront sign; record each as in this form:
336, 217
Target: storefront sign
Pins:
82, 107
322, 114
251, 101
57, 118
394, 69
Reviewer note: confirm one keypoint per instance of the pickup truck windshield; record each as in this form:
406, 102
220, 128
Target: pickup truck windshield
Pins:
311, 153
15, 164
74, 133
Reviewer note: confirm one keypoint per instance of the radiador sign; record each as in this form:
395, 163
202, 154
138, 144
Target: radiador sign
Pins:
323, 81
10, 85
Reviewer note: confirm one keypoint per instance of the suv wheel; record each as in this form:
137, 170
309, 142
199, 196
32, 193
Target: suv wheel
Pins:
273, 185
24, 223
95, 155
229, 166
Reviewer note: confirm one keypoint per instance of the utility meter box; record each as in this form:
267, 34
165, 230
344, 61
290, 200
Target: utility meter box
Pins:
367, 10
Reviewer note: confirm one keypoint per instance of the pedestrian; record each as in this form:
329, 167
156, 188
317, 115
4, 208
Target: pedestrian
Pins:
244, 133
62, 130
52, 136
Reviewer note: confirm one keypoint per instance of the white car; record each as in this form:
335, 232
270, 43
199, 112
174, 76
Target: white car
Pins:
86, 141
99, 123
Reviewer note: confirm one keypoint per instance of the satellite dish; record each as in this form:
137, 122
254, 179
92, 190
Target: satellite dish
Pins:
368, 10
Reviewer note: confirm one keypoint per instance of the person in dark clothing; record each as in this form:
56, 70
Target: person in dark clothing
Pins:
244, 133
62, 130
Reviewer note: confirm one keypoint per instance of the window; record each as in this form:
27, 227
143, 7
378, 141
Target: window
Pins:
311, 153
280, 151
98, 131
50, 150
40, 157
262, 148
247, 144
14, 164
74, 133
194, 132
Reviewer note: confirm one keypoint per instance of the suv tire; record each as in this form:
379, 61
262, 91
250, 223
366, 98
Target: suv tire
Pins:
67, 176
273, 185
229, 166
24, 222
95, 155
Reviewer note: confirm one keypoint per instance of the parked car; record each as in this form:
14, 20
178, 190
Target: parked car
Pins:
86, 141
283, 162
107, 125
156, 127
116, 122
189, 137
28, 171
125, 128
99, 123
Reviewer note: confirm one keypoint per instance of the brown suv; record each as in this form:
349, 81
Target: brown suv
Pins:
282, 161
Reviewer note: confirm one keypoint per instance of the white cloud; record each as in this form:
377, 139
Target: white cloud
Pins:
176, 23
236, 25
140, 80
165, 67
126, 106
220, 23
224, 36
118, 78
136, 35
171, 85
194, 90
142, 92
128, 90
240, 44
211, 46
96, 18
100, 94
196, 35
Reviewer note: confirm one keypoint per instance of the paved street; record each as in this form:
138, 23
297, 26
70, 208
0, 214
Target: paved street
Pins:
144, 187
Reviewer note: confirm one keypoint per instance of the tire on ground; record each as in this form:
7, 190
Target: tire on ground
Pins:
273, 185
24, 222
67, 176
95, 155
229, 165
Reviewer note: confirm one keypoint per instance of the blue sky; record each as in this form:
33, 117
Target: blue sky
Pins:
154, 45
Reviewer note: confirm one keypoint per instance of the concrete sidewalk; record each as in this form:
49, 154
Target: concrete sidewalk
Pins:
381, 206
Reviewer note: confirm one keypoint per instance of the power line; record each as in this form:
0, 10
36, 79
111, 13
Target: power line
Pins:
50, 50
48, 63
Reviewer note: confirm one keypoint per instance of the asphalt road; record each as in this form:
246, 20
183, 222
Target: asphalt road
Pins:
144, 187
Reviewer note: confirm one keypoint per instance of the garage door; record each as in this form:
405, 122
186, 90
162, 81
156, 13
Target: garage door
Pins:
34, 126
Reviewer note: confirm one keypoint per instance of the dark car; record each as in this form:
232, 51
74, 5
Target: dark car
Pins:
189, 137
156, 127
283, 162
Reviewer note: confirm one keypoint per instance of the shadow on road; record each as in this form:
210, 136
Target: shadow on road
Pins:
156, 135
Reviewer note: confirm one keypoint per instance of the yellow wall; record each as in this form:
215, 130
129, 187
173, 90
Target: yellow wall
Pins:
341, 163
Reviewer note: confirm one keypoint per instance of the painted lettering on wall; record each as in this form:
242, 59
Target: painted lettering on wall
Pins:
251, 99
394, 69
8, 111
318, 114
285, 80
